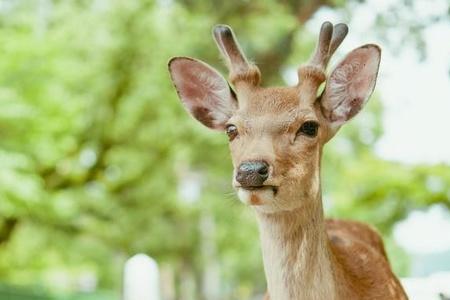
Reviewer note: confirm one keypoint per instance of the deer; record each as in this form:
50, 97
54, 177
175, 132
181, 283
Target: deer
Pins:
276, 138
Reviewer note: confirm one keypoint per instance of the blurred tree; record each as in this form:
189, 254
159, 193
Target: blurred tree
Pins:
94, 142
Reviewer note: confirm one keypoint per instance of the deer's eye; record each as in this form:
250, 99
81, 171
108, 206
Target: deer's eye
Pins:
309, 128
232, 131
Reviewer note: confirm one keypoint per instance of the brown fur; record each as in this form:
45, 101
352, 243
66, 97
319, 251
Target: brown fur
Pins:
360, 254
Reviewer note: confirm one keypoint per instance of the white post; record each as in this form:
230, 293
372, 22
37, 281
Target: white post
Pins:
141, 279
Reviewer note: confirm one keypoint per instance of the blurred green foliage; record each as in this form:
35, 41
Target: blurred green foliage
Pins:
94, 142
20, 293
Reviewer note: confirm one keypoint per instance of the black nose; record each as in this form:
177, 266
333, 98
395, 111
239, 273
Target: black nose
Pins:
252, 173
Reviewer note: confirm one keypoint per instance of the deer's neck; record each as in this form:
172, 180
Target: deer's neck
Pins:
297, 259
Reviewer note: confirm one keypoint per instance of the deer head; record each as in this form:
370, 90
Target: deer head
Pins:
277, 134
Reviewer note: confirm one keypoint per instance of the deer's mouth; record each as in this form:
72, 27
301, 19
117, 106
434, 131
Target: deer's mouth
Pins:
261, 188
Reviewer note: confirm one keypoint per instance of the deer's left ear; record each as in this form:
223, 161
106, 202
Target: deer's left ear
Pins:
350, 84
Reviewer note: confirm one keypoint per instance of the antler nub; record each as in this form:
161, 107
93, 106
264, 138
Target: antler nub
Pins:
321, 54
224, 36
339, 33
238, 65
329, 40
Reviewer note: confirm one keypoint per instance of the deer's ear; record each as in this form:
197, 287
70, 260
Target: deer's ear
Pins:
350, 84
203, 91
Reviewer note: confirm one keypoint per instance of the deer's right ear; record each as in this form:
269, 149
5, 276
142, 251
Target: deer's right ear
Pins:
203, 91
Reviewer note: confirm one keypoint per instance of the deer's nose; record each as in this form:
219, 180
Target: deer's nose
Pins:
252, 173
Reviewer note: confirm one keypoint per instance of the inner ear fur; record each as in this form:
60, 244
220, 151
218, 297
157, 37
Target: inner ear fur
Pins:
203, 91
350, 85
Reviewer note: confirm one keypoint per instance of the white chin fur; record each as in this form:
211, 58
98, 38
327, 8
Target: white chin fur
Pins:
257, 197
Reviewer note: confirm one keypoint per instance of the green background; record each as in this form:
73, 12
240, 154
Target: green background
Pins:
94, 142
